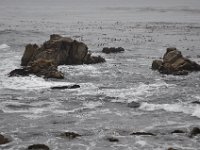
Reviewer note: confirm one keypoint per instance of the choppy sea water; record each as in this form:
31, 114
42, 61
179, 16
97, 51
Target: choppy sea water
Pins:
30, 112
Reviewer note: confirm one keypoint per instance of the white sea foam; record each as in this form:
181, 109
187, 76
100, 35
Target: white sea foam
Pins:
88, 89
126, 95
30, 82
137, 92
4, 46
80, 70
141, 143
32, 111
193, 110
91, 104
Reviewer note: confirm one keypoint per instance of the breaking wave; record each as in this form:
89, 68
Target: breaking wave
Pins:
4, 46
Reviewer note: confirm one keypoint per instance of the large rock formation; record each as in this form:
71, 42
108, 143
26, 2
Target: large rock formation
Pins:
43, 60
174, 63
60, 50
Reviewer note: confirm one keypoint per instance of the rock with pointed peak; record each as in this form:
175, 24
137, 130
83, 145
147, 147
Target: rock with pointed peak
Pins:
174, 63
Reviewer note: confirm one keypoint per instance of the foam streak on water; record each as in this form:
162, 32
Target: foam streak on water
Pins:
193, 110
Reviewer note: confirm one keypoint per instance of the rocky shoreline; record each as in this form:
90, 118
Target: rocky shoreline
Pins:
44, 60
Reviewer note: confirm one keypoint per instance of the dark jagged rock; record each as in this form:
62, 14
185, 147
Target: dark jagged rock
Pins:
112, 139
93, 59
30, 50
61, 50
156, 64
112, 50
171, 148
143, 133
66, 87
70, 135
196, 102
3, 140
39, 67
174, 63
44, 60
38, 147
19, 72
195, 131
134, 104
177, 131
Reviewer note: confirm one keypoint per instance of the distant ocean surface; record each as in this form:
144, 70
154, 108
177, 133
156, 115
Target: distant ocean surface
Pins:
32, 113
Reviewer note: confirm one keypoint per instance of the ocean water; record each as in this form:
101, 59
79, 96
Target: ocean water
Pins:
31, 113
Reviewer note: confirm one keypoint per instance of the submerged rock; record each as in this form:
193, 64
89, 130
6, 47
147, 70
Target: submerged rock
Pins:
134, 104
196, 102
143, 133
58, 50
177, 131
112, 139
70, 135
38, 147
3, 140
112, 50
195, 131
174, 63
66, 87
171, 148
19, 72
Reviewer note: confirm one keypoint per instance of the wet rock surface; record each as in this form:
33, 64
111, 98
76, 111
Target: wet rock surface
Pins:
39, 67
66, 87
174, 63
112, 139
61, 50
70, 135
177, 131
3, 140
19, 72
142, 133
134, 105
44, 60
108, 50
194, 132
196, 102
38, 147
171, 148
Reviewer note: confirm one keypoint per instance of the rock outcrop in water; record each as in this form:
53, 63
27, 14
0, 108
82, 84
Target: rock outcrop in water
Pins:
195, 131
133, 104
174, 63
112, 50
39, 67
38, 147
143, 133
3, 140
70, 135
112, 139
43, 60
75, 86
